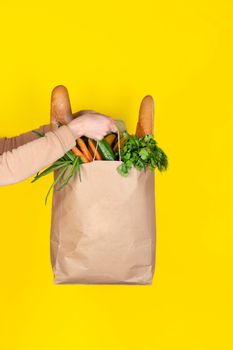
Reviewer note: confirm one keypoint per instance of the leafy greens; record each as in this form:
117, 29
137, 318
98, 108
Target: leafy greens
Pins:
141, 152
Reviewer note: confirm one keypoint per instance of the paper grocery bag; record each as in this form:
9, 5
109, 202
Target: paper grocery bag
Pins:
103, 227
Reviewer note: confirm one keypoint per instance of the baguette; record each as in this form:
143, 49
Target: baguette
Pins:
145, 124
60, 108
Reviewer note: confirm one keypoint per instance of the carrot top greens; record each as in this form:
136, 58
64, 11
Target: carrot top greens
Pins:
69, 159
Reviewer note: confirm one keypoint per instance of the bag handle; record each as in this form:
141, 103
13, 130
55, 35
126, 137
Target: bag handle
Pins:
119, 147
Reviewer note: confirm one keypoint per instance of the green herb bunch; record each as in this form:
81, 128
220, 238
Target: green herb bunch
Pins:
141, 152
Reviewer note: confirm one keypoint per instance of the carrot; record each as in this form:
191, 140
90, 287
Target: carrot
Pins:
77, 152
122, 140
84, 149
90, 150
110, 138
145, 124
92, 146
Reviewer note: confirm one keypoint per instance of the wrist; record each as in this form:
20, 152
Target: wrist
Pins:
76, 127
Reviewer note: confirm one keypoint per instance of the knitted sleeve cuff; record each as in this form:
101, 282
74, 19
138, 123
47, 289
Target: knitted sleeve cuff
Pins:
66, 137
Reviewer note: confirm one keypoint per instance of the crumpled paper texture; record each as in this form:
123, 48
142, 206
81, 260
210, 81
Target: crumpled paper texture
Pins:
103, 228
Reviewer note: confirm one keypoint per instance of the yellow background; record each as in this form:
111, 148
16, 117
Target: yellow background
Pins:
110, 55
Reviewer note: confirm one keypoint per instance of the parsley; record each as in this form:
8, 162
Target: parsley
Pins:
141, 152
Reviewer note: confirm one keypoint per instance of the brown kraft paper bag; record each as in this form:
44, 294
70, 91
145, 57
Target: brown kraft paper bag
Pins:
103, 227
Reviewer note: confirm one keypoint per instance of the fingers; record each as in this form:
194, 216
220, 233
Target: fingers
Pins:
95, 125
111, 126
83, 111
114, 127
110, 129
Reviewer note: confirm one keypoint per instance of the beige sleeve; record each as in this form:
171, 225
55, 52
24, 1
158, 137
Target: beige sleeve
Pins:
9, 143
26, 154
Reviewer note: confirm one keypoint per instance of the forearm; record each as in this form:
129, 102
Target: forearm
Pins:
33, 153
10, 143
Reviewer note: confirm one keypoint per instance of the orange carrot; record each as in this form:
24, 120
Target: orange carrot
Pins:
92, 146
122, 141
84, 149
90, 150
110, 138
77, 152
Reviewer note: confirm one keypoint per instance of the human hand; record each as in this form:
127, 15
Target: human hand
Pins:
92, 124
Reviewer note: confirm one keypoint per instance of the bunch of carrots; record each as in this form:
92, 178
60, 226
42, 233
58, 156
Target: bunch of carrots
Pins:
86, 148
